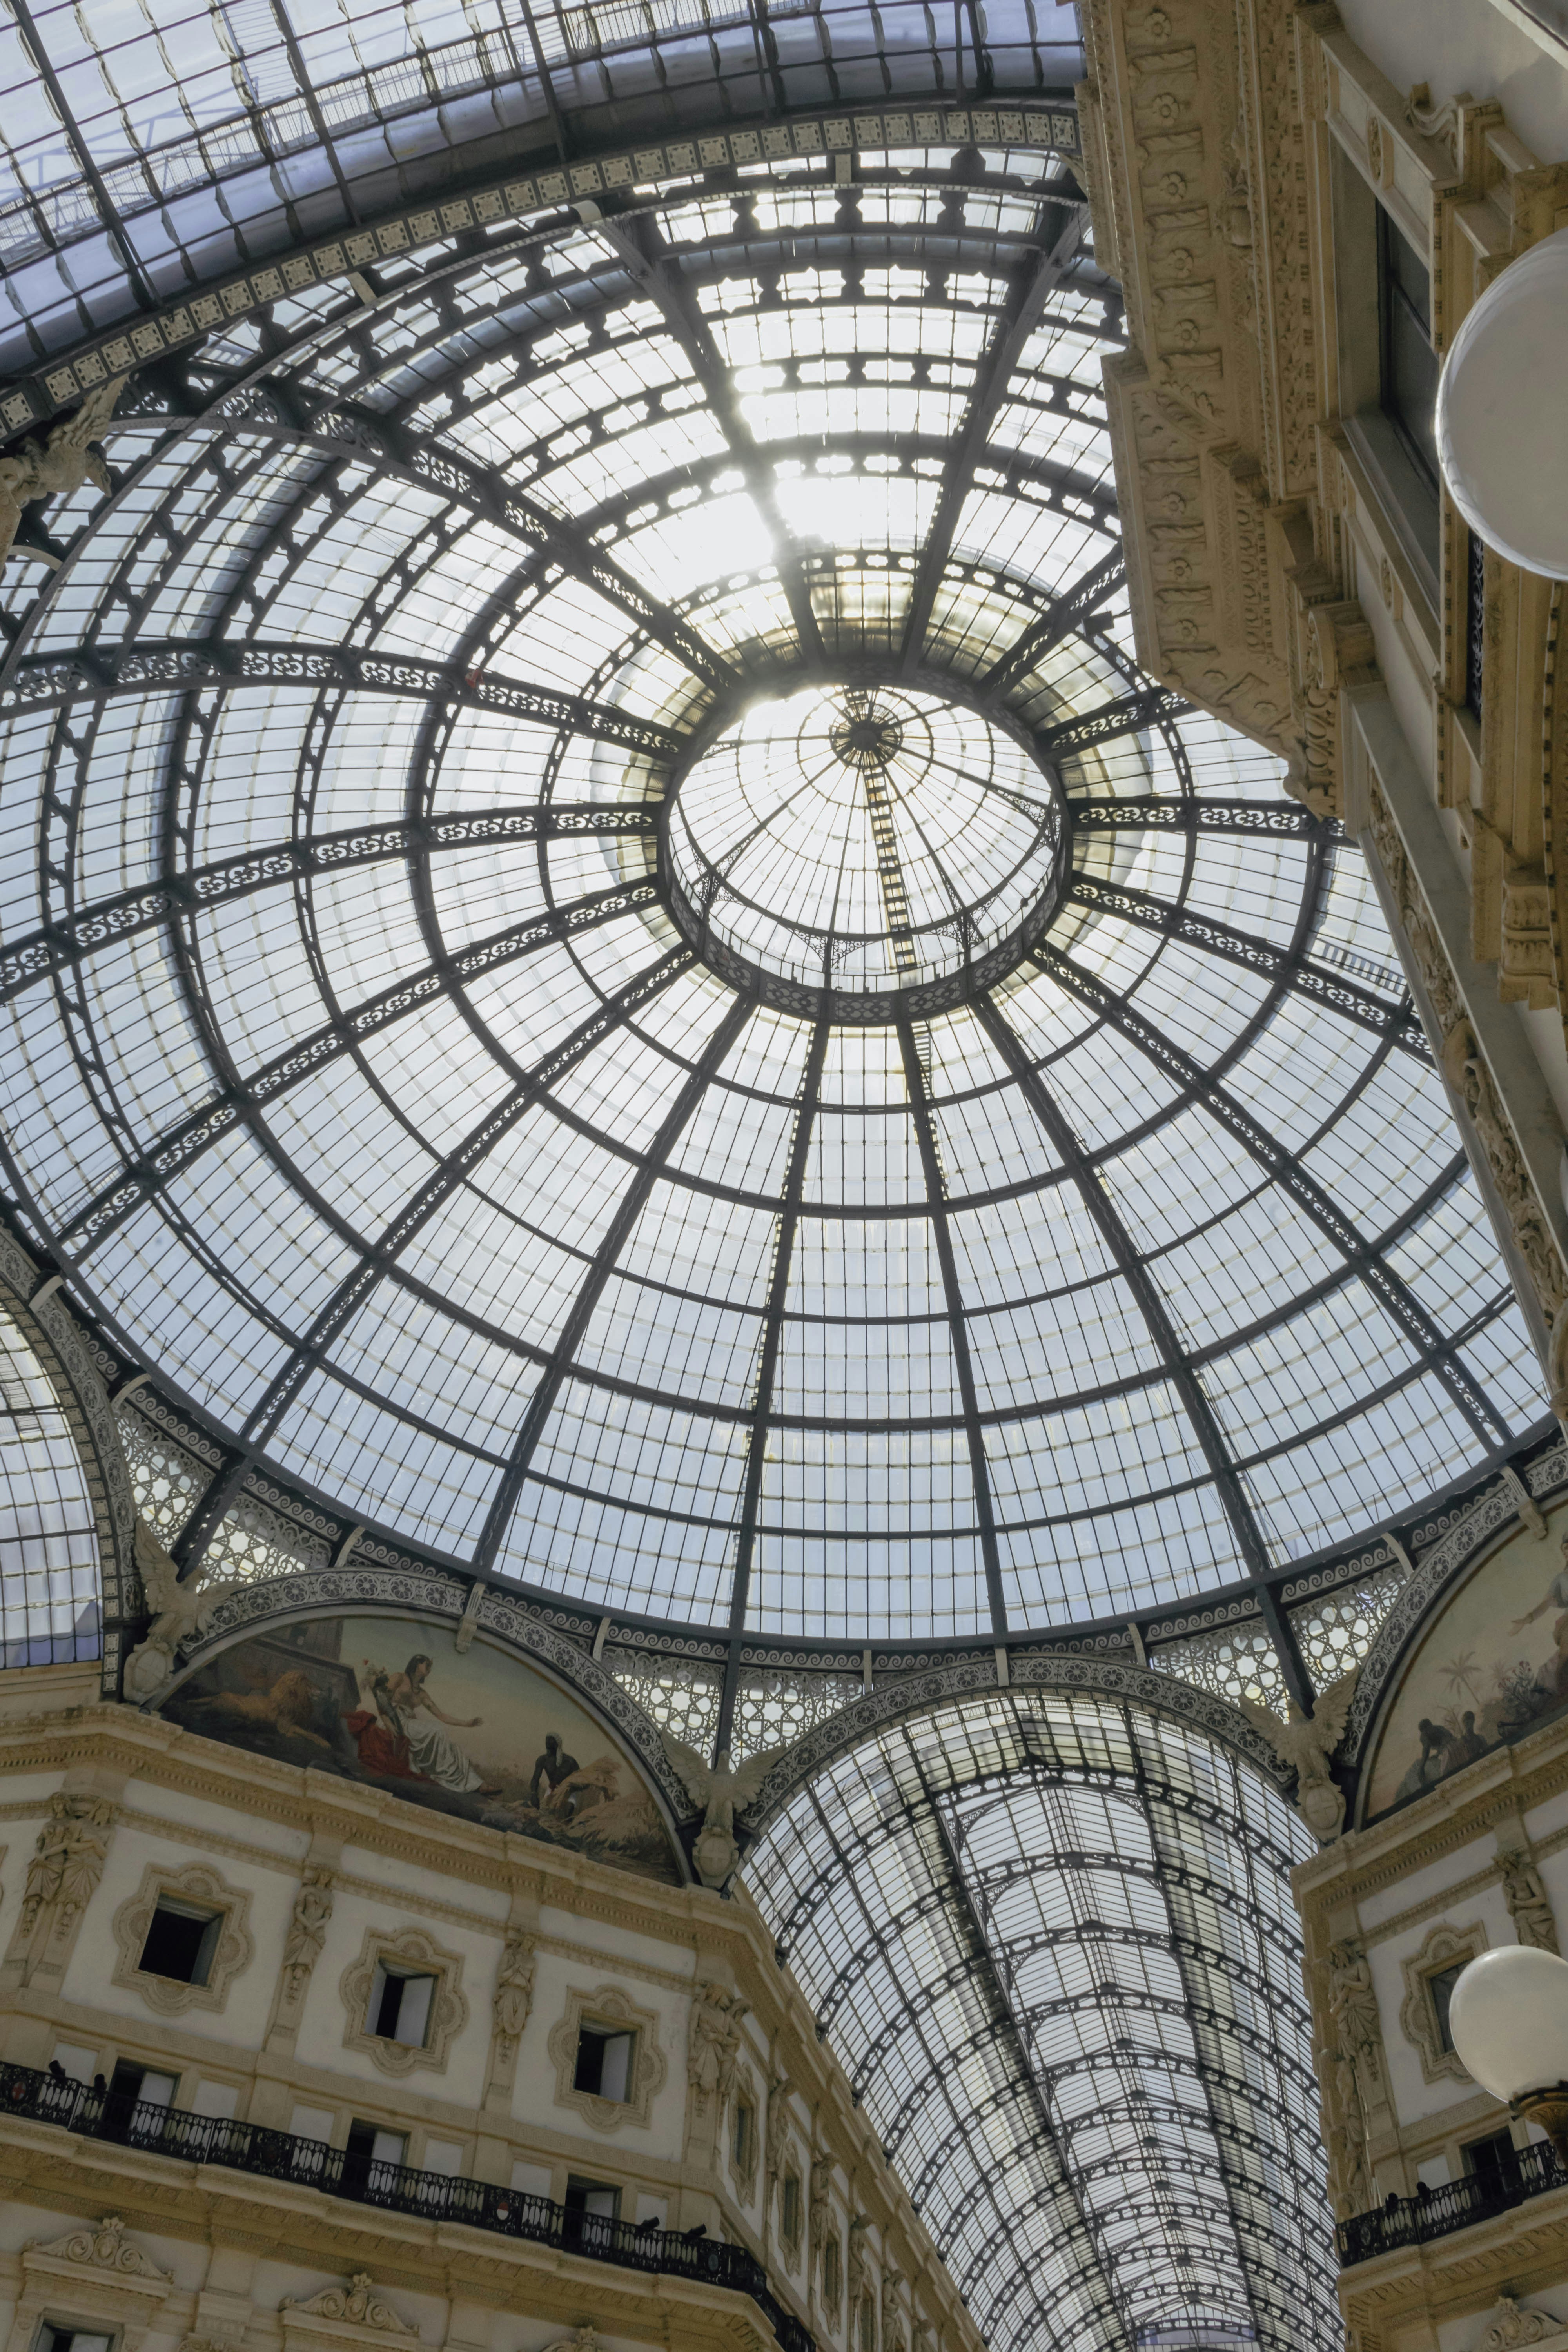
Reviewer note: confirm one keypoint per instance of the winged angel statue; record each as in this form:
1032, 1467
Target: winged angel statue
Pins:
1308, 1741
47, 469
179, 1611
723, 1793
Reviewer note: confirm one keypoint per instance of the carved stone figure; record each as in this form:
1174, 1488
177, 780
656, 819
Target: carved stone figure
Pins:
775, 2137
1353, 2005
68, 1861
514, 1988
859, 2231
723, 1793
819, 2210
1466, 1071
893, 2336
307, 1929
358, 2303
1345, 2137
180, 1610
47, 469
585, 2338
1307, 1741
1527, 1900
715, 2042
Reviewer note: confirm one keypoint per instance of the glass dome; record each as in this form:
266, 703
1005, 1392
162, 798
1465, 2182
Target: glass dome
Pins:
613, 974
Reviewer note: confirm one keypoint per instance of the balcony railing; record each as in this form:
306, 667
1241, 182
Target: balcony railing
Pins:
1436, 2212
435, 2195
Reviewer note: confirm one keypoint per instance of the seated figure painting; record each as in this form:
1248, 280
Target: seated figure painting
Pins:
391, 1701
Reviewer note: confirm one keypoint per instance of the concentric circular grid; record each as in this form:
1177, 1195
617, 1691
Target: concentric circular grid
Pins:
364, 1082
863, 842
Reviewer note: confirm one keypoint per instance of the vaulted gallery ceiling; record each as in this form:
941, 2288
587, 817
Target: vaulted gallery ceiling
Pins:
612, 971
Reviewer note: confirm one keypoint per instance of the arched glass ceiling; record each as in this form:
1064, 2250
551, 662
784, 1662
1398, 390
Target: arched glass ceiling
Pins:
1051, 1941
50, 1607
141, 152
366, 1081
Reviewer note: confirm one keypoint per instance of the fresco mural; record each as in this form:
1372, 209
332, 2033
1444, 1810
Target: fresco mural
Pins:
388, 1701
1494, 1666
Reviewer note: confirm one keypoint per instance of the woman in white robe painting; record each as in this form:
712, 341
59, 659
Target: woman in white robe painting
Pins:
431, 1754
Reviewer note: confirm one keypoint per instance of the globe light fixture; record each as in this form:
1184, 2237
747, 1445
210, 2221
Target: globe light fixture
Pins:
1500, 441
1509, 2018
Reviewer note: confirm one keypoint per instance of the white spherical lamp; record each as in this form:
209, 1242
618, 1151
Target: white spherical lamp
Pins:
1509, 2018
1502, 412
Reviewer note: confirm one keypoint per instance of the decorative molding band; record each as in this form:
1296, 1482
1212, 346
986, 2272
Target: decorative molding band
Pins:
1029, 122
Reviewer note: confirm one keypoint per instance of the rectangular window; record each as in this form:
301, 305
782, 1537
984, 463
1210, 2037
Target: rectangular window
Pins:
372, 2145
1475, 625
1494, 2162
72, 2339
604, 2062
595, 2198
400, 2002
369, 2154
790, 2217
1440, 1985
145, 2085
741, 2136
181, 1941
1410, 367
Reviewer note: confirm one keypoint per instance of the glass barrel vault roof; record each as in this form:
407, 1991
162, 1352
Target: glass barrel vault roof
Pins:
1051, 1940
412, 1053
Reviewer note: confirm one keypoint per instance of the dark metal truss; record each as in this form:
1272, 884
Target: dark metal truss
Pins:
37, 955
1038, 280
1399, 1023
1130, 714
529, 1088
180, 1145
1078, 607
46, 681
657, 271
1272, 820
342, 431
1230, 2185
1391, 1292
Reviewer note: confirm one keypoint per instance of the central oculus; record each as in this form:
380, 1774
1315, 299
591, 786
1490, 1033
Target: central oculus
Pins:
863, 851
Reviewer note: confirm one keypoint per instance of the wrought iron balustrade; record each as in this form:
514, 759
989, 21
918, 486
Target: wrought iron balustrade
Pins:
370, 2181
1456, 2205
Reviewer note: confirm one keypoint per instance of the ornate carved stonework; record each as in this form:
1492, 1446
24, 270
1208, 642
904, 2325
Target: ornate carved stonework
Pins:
340, 2317
202, 1886
1529, 1905
66, 1863
1514, 2326
102, 2246
1444, 1948
307, 1932
713, 2043
97, 2278
412, 1949
514, 1991
610, 2006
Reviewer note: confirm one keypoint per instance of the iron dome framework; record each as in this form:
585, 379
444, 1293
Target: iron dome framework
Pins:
366, 1090
1051, 1939
365, 1086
